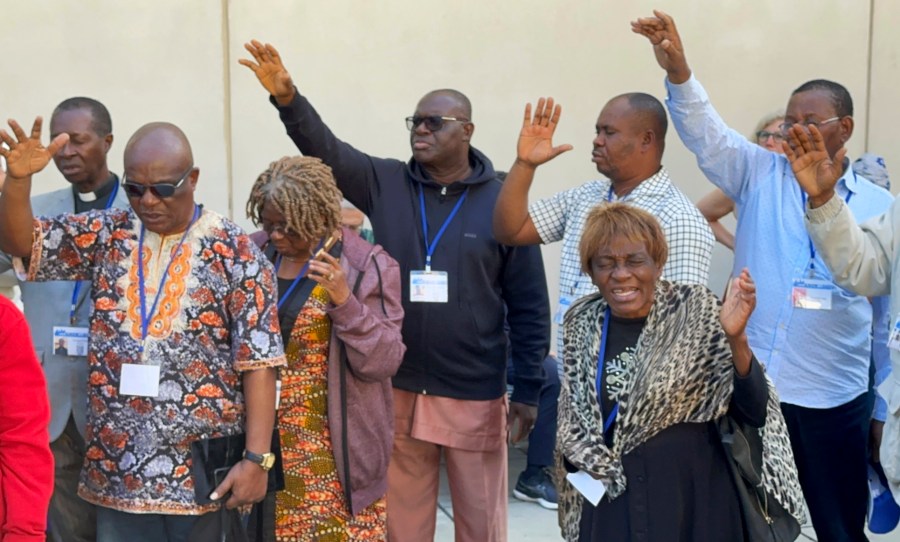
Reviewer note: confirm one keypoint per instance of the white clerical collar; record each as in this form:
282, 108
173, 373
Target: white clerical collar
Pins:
86, 196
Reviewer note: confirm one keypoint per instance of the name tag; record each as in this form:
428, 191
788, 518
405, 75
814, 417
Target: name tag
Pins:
428, 286
140, 380
70, 341
814, 294
894, 339
591, 488
561, 309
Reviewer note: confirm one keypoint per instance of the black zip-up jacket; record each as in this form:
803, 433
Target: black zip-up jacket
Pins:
456, 349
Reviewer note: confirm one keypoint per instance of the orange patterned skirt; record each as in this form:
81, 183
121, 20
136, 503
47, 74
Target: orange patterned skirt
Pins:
312, 506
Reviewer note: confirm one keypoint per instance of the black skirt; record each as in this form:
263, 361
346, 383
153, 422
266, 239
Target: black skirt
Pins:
678, 490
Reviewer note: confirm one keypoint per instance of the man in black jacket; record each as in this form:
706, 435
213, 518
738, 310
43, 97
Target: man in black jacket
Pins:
433, 214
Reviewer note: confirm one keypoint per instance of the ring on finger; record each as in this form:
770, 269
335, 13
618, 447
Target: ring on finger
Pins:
331, 276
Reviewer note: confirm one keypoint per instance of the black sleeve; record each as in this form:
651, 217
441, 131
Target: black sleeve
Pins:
354, 171
524, 290
751, 395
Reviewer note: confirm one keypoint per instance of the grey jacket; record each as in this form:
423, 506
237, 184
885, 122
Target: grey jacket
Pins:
866, 260
47, 304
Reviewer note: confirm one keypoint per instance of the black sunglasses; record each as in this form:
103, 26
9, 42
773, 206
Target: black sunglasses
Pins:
432, 122
160, 190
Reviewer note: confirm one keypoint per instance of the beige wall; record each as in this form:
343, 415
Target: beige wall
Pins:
365, 64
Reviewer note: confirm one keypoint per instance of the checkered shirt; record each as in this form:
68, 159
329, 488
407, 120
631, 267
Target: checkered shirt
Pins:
562, 216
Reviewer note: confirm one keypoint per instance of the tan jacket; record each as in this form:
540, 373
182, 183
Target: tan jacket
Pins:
866, 259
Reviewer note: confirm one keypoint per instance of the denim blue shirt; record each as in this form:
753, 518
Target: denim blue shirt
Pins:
817, 358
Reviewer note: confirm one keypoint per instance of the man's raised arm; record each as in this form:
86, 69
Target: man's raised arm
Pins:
353, 169
25, 156
512, 223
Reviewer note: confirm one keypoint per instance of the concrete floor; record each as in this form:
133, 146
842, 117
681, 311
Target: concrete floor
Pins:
529, 522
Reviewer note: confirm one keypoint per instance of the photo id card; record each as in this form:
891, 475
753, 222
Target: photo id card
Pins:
812, 294
564, 303
70, 341
140, 380
428, 286
894, 339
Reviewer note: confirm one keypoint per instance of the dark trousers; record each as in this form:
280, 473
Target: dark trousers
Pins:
542, 439
829, 447
117, 526
72, 519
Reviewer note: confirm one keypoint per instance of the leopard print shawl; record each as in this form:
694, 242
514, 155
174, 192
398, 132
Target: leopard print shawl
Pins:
682, 372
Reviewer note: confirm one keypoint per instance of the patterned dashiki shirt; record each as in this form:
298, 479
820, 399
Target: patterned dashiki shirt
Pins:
216, 318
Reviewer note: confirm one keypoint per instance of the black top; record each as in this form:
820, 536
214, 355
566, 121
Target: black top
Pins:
679, 486
456, 349
620, 346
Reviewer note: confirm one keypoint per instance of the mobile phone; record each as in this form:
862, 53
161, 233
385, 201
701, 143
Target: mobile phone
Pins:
332, 239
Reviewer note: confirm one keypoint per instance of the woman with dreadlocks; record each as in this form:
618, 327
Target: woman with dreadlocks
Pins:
340, 313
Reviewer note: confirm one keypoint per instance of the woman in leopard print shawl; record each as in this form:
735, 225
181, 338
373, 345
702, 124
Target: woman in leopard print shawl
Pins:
675, 380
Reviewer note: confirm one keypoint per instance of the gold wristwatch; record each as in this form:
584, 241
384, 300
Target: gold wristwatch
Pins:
265, 461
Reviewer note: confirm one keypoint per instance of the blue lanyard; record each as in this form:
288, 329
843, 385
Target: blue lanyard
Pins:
609, 194
600, 361
286, 295
429, 248
75, 304
145, 316
812, 248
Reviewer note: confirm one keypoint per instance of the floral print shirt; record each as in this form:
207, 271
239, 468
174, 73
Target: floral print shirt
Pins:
215, 318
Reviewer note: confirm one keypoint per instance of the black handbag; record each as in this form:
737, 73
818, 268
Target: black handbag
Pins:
223, 525
214, 457
765, 520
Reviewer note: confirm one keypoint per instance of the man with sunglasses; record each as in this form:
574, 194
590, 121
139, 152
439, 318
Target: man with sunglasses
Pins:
812, 336
183, 334
432, 214
60, 307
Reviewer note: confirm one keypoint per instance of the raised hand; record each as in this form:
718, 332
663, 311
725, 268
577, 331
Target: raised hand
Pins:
739, 305
535, 146
270, 71
814, 169
667, 46
26, 155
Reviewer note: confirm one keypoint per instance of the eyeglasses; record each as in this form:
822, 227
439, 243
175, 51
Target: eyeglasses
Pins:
160, 190
432, 122
785, 126
281, 228
762, 136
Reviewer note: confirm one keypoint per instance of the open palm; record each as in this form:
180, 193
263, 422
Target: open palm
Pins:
269, 69
738, 305
535, 146
814, 169
26, 155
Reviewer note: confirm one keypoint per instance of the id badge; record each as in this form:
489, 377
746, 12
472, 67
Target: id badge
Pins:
561, 309
814, 294
70, 341
142, 380
894, 339
428, 286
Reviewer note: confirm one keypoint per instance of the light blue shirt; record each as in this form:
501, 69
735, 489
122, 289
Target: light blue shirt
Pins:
816, 358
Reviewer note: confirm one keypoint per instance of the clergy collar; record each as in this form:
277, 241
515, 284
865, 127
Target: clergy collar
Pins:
102, 192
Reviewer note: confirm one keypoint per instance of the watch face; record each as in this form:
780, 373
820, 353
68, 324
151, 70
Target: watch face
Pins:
268, 461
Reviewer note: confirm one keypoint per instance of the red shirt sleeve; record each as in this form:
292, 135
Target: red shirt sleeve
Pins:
26, 463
